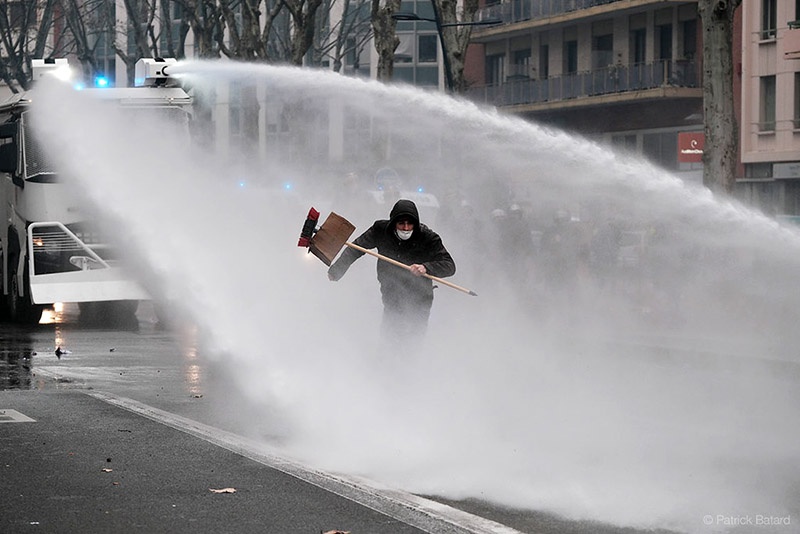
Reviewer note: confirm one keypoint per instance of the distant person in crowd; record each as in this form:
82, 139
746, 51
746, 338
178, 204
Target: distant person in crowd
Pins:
513, 243
407, 295
519, 244
604, 251
560, 252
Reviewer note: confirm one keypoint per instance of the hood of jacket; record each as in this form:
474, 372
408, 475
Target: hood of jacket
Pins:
403, 208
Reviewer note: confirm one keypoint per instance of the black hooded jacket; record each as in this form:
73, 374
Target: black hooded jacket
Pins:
423, 247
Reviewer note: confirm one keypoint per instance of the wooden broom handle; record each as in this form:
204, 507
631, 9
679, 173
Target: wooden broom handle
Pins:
408, 268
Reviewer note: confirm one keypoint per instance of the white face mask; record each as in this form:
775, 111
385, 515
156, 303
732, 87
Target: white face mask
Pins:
403, 235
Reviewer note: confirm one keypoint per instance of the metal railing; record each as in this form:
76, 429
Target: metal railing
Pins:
521, 10
53, 247
64, 268
609, 80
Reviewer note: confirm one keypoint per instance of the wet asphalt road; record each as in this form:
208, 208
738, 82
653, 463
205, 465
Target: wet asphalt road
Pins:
63, 367
70, 374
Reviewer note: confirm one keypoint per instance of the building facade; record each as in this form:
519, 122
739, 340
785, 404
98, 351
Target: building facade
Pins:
770, 105
626, 72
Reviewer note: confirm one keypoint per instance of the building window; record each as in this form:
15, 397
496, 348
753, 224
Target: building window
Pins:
758, 170
769, 19
416, 57
664, 51
495, 69
350, 49
690, 39
427, 77
521, 68
796, 124
602, 51
427, 49
661, 149
544, 61
570, 57
404, 53
624, 143
16, 13
767, 112
639, 46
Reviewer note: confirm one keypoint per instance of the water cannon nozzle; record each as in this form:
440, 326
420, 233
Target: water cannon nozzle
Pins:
58, 67
152, 71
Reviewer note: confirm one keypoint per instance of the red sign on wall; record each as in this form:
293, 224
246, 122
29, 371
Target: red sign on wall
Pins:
690, 147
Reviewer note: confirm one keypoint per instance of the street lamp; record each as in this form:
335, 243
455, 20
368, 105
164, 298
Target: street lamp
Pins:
412, 17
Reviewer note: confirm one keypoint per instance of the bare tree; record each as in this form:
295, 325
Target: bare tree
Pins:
303, 13
88, 23
348, 34
23, 37
720, 154
205, 20
173, 48
249, 40
386, 40
139, 30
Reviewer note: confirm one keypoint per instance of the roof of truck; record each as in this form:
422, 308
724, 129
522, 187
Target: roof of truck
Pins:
132, 96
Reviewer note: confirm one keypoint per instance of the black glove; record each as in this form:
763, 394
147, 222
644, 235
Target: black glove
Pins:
335, 272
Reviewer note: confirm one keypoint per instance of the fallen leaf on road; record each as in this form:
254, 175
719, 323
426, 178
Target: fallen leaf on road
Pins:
223, 490
106, 470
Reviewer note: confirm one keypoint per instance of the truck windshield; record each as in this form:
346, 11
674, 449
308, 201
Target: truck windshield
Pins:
173, 122
37, 162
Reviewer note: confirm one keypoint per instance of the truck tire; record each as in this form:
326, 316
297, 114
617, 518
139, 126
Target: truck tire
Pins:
5, 316
20, 308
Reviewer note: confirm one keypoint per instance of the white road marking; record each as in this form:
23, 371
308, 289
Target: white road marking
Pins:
424, 514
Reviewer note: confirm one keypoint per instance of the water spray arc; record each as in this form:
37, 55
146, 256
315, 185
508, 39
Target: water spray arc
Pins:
647, 393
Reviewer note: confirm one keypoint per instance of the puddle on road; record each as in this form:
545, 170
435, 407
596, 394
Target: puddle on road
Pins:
17, 344
16, 362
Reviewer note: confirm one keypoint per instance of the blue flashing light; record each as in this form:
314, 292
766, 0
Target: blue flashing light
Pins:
287, 186
242, 183
101, 82
79, 86
420, 189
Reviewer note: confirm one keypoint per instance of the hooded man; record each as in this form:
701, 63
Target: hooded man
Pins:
407, 295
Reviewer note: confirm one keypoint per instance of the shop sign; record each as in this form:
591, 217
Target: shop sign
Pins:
690, 147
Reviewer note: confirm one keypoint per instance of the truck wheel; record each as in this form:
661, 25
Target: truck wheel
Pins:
20, 308
5, 316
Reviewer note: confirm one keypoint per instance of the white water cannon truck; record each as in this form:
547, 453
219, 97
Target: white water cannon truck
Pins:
51, 251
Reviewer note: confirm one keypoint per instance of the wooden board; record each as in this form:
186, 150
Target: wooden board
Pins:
331, 237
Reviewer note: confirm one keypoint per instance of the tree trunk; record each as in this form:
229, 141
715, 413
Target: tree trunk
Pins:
303, 14
454, 39
720, 154
386, 40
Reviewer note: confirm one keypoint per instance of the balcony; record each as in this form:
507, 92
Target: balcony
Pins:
618, 80
790, 41
514, 11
